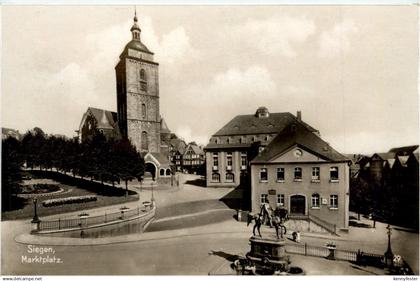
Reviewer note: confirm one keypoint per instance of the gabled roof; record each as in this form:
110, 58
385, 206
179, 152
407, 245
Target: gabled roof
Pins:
195, 148
404, 150
416, 154
178, 145
391, 162
385, 155
252, 124
403, 160
105, 119
161, 158
298, 134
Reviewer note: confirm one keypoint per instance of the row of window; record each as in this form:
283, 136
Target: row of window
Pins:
229, 161
193, 162
315, 200
242, 139
215, 177
162, 172
297, 174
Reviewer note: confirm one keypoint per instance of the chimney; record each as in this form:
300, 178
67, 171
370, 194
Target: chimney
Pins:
299, 115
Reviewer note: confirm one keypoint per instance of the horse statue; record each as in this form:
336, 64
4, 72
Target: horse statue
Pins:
280, 216
258, 218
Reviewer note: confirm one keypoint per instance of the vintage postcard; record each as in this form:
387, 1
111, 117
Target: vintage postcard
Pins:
210, 140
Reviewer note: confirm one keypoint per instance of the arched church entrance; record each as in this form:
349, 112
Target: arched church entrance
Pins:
150, 170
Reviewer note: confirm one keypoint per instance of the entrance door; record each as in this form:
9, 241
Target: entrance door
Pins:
150, 171
297, 204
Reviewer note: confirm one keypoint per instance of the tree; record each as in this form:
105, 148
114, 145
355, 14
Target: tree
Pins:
11, 164
34, 148
125, 162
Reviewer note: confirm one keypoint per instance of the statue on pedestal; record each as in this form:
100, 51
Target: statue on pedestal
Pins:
276, 219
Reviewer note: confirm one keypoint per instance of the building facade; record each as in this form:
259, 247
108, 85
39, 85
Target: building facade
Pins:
232, 147
302, 173
137, 117
137, 77
193, 159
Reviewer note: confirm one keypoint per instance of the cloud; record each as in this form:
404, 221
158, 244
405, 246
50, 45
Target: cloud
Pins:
337, 41
185, 132
277, 35
79, 84
207, 105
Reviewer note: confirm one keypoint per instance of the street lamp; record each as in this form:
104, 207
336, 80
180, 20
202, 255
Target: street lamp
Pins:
388, 254
35, 220
152, 193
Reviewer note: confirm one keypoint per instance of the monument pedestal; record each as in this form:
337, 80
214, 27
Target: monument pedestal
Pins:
269, 255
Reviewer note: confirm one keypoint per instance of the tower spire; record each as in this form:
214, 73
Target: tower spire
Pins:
135, 29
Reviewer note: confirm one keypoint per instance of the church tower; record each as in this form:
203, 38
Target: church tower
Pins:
138, 94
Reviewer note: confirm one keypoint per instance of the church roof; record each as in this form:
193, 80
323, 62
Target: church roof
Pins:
163, 127
137, 45
105, 119
252, 124
300, 135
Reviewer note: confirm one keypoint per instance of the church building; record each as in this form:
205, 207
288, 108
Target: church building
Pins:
137, 118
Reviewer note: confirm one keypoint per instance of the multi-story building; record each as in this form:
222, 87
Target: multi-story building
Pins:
176, 150
235, 144
304, 174
193, 158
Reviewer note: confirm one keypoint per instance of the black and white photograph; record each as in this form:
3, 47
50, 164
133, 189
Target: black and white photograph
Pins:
211, 140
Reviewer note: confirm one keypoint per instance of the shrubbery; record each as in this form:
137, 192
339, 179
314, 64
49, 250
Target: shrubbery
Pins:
39, 188
69, 200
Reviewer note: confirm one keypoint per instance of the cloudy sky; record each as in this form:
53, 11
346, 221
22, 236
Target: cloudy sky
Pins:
351, 70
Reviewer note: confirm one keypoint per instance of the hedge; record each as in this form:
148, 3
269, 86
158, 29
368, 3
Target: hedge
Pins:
69, 200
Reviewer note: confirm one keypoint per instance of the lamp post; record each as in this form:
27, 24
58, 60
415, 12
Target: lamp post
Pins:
388, 254
152, 193
35, 220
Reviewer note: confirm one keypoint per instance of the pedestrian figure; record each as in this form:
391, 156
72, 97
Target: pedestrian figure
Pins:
266, 213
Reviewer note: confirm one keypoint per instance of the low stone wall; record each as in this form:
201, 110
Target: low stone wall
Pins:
136, 224
304, 226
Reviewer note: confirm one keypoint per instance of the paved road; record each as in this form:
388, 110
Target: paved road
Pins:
176, 247
184, 255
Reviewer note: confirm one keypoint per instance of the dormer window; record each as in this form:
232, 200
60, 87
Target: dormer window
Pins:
262, 112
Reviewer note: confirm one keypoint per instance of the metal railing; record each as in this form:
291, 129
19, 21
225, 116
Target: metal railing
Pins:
94, 220
317, 251
328, 226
